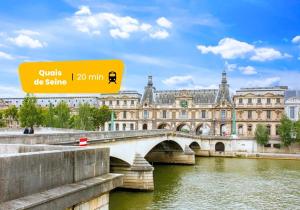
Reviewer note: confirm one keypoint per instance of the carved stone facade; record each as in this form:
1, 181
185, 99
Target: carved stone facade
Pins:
206, 111
201, 111
259, 106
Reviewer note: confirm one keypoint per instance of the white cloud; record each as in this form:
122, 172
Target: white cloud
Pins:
160, 34
178, 80
267, 82
186, 82
116, 33
118, 26
267, 54
6, 56
230, 48
164, 22
23, 40
145, 27
296, 39
83, 10
248, 70
230, 66
27, 32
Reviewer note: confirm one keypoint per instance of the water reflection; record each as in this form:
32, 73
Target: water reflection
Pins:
219, 183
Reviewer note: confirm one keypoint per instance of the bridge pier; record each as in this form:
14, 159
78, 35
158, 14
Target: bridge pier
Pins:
186, 157
138, 176
99, 203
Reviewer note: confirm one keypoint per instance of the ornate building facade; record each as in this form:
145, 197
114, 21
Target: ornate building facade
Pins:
264, 105
206, 111
201, 111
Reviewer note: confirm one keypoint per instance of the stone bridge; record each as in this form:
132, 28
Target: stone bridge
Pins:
133, 152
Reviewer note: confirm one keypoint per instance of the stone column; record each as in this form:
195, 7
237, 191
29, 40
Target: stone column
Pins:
137, 176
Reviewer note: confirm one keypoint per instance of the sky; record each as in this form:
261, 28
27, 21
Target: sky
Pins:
183, 44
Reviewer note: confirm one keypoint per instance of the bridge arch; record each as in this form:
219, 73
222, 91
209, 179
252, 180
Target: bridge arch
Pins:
195, 145
114, 161
220, 147
163, 126
199, 129
166, 145
183, 127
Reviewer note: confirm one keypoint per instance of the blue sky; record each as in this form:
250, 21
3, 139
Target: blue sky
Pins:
183, 44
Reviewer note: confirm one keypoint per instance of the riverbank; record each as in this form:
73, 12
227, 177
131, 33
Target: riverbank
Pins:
258, 155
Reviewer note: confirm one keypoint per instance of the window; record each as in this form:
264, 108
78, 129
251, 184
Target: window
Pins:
124, 115
292, 112
268, 101
268, 114
131, 126
124, 126
110, 103
277, 130
203, 114
132, 102
249, 100
249, 129
240, 129
259, 100
117, 126
109, 126
277, 100
223, 114
269, 129
145, 114
164, 114
240, 100
183, 114
118, 102
249, 114
103, 103
125, 103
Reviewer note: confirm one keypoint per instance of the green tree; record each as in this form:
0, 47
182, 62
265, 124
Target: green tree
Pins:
62, 112
30, 113
285, 130
49, 116
261, 134
84, 119
100, 116
11, 114
297, 130
2, 120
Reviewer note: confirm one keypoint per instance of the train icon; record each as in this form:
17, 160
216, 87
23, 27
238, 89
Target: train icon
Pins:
112, 77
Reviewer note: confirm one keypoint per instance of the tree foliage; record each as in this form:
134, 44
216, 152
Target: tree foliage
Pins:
2, 120
30, 113
62, 115
11, 114
100, 116
285, 131
261, 134
84, 119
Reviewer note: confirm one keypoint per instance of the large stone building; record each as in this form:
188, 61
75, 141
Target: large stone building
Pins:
201, 111
264, 105
206, 111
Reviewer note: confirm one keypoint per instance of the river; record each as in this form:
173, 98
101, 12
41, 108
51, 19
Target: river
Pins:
218, 183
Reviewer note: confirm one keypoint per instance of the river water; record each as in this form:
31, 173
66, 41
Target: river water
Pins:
218, 183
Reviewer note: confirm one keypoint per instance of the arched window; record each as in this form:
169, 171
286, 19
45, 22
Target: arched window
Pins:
220, 147
145, 126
